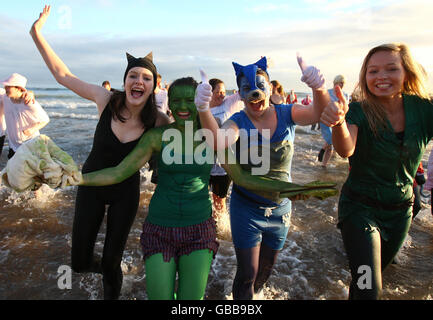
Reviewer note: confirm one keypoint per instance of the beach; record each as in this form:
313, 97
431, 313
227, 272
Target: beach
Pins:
36, 232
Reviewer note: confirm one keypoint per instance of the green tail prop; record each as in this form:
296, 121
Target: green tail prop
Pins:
317, 189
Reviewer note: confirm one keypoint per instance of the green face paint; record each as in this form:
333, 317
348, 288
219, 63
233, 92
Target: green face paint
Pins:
181, 104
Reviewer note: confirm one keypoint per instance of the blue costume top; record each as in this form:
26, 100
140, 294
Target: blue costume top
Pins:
281, 152
257, 216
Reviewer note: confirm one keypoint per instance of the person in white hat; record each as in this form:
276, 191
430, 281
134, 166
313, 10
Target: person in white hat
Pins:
2, 124
20, 113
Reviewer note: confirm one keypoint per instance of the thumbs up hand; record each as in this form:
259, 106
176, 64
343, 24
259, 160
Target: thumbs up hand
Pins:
311, 75
203, 93
335, 112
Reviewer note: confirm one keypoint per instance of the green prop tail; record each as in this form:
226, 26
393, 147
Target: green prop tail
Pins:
317, 189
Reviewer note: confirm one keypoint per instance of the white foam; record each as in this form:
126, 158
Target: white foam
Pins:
91, 283
73, 116
39, 199
56, 103
424, 217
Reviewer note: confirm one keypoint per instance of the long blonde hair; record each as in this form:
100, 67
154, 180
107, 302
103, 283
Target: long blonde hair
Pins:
414, 84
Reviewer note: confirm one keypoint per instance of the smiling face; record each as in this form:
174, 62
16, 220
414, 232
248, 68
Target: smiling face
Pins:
181, 104
14, 92
138, 86
218, 95
256, 101
385, 74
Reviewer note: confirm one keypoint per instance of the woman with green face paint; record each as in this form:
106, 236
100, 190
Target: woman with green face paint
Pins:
179, 234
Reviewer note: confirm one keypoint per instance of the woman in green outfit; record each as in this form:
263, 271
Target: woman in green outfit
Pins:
179, 234
384, 135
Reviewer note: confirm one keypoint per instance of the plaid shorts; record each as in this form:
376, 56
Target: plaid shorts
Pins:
174, 242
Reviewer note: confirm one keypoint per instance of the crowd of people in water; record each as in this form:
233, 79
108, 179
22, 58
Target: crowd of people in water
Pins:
383, 128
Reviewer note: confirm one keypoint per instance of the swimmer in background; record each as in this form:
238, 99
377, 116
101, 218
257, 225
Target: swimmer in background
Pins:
326, 152
21, 116
222, 108
278, 96
106, 84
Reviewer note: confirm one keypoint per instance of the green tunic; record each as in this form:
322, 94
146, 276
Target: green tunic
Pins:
383, 167
181, 197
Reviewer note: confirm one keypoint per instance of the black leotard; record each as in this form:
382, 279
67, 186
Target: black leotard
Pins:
122, 200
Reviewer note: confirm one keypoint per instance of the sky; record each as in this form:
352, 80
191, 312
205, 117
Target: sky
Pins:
91, 37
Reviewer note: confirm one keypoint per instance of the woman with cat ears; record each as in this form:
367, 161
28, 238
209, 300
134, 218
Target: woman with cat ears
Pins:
124, 116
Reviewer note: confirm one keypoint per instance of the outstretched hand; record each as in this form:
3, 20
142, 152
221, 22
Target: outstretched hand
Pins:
310, 74
28, 96
39, 23
335, 112
203, 93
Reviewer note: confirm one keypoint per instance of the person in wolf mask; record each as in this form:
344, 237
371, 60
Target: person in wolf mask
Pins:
260, 220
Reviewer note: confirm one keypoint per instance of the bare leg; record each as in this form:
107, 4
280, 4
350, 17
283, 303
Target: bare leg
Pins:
219, 203
328, 153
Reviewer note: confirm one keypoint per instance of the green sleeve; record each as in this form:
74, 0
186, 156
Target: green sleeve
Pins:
150, 142
355, 115
247, 180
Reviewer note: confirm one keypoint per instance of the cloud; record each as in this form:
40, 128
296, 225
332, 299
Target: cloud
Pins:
268, 7
336, 43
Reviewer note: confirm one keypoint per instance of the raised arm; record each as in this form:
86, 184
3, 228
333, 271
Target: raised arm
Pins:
344, 135
61, 72
305, 115
150, 142
223, 137
203, 95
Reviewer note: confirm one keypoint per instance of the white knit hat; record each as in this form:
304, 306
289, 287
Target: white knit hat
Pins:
16, 80
339, 79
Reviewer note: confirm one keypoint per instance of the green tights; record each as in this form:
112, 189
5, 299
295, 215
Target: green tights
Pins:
193, 270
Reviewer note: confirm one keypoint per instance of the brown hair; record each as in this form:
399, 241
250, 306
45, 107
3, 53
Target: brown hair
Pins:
148, 113
277, 85
187, 81
414, 84
214, 82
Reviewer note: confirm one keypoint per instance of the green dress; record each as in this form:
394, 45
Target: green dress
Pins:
383, 167
374, 209
181, 197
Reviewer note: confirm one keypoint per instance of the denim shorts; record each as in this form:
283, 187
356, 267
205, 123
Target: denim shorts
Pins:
252, 223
